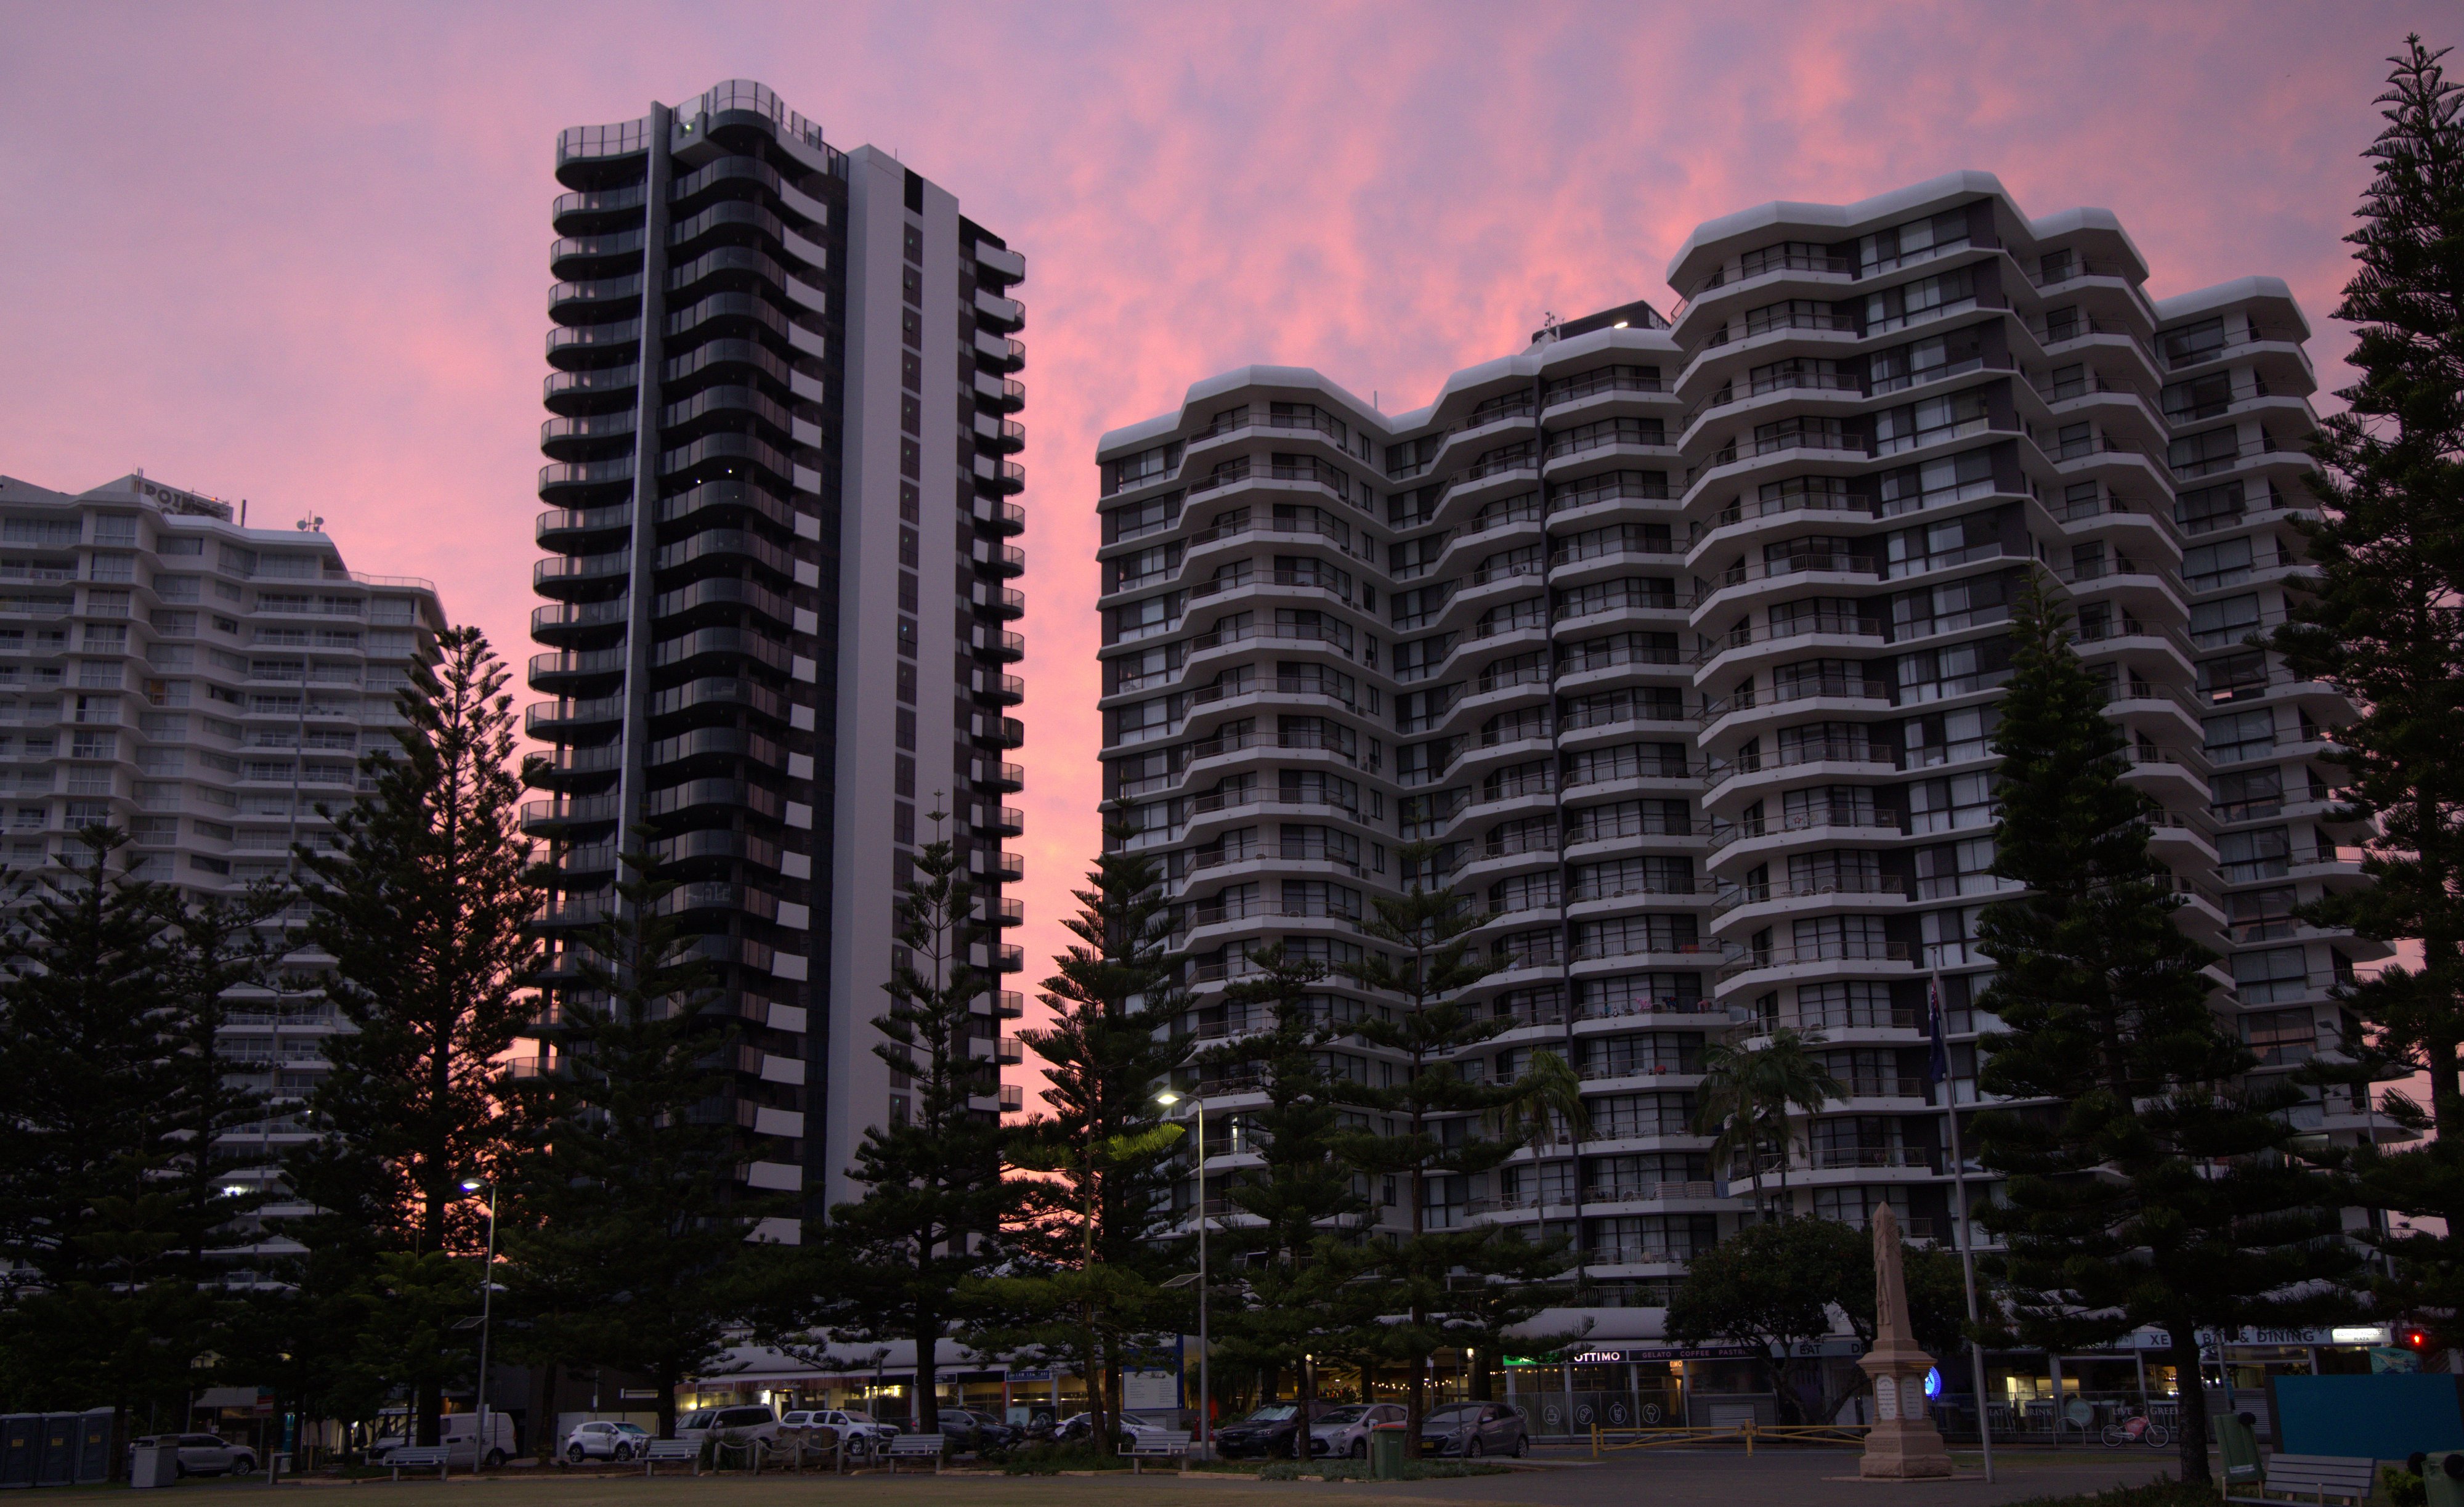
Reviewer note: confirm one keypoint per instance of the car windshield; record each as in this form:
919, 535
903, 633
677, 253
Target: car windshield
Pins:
626, 1428
1345, 1415
858, 1415
1274, 1414
1453, 1417
698, 1418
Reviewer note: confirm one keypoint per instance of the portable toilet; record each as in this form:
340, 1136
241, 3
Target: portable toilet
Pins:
93, 1463
57, 1466
20, 1447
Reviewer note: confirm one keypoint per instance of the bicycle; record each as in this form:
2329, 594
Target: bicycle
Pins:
2137, 1428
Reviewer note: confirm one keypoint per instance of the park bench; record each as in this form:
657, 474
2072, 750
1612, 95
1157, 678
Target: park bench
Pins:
2314, 1478
672, 1452
419, 1457
915, 1446
1158, 1444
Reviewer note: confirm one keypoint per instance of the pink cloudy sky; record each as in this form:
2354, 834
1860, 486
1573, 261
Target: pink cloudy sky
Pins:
300, 253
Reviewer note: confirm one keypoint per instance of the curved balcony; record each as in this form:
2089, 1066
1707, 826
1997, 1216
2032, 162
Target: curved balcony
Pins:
553, 817
597, 391
999, 690
1004, 559
573, 575
1000, 645
561, 719
570, 768
570, 671
1005, 602
578, 214
1000, 518
575, 258
562, 623
998, 354
594, 299
1005, 778
999, 821
999, 394
588, 438
1005, 477
1003, 732
568, 528
573, 347
1007, 438
574, 479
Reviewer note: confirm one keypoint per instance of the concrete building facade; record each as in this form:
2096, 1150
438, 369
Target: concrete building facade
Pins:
1682, 637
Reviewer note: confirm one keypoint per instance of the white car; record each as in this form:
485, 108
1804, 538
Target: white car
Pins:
601, 1440
744, 1421
203, 1453
1345, 1431
459, 1434
861, 1431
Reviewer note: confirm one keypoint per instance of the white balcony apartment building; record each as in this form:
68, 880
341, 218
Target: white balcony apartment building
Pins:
1684, 638
205, 688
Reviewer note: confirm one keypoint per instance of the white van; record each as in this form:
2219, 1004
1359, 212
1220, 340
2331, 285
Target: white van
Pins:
459, 1433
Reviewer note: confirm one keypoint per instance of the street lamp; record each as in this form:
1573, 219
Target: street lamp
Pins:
1205, 1377
486, 1306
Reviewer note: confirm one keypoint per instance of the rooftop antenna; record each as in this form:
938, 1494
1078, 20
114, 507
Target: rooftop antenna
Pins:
306, 524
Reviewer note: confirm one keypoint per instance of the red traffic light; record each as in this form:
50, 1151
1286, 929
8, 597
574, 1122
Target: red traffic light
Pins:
2412, 1336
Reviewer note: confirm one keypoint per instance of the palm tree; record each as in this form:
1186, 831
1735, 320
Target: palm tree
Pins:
1546, 1110
1748, 1093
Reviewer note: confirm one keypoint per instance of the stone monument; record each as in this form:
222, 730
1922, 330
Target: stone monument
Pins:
1903, 1443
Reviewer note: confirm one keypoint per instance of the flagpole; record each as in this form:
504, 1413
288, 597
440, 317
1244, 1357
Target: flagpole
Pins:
1959, 1189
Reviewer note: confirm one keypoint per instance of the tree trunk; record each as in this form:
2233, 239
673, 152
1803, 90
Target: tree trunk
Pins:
430, 1407
669, 1379
2190, 1436
543, 1440
928, 1382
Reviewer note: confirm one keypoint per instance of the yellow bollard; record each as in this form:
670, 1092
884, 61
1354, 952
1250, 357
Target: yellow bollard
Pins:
1749, 1438
1596, 1441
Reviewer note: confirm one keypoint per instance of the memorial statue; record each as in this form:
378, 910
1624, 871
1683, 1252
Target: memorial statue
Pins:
1903, 1443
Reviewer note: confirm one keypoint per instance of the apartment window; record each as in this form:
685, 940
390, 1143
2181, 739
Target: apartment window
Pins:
1952, 478
2271, 976
2207, 568
2209, 508
2239, 735
2249, 857
1914, 242
906, 729
1929, 360
2191, 344
2262, 915
1927, 298
1930, 422
2248, 795
2280, 1038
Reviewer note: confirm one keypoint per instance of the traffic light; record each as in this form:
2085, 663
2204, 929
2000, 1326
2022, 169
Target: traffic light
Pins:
2412, 1336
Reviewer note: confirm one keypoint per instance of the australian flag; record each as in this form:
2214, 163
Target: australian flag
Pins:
1939, 1068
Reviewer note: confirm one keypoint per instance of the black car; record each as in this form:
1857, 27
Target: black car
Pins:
1269, 1431
1471, 1429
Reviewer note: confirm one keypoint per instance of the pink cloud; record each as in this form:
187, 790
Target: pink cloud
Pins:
299, 253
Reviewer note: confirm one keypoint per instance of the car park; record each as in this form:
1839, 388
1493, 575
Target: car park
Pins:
1472, 1429
1345, 1431
598, 1439
202, 1453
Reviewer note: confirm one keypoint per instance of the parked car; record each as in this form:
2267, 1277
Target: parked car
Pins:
860, 1430
1346, 1429
1270, 1430
1472, 1429
601, 1440
756, 1422
1133, 1426
459, 1434
968, 1431
202, 1453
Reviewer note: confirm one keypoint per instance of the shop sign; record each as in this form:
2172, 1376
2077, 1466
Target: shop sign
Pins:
1669, 1352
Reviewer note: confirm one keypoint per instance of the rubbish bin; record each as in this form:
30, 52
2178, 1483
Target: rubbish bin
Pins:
2239, 1446
151, 1465
2442, 1476
1386, 1452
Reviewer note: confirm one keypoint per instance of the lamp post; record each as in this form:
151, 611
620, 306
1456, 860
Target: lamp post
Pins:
487, 1307
1206, 1378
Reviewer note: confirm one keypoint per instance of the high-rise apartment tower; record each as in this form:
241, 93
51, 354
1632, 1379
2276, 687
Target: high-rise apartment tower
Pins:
1684, 638
777, 577
208, 689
